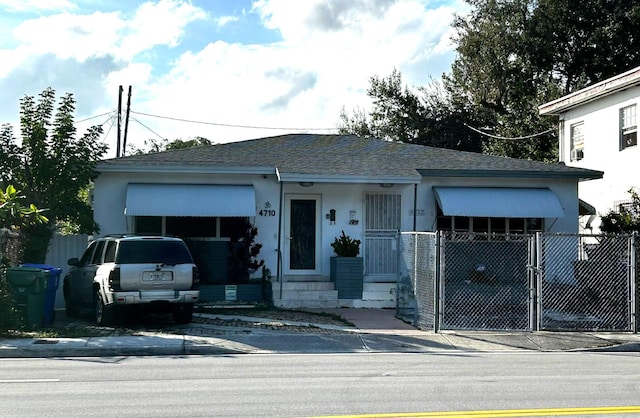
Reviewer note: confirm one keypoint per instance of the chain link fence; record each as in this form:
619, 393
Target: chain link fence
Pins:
518, 282
585, 282
416, 292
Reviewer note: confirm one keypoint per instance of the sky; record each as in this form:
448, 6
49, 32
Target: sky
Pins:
225, 70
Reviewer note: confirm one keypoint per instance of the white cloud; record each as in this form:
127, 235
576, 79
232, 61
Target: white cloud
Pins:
36, 5
71, 36
326, 54
224, 20
161, 23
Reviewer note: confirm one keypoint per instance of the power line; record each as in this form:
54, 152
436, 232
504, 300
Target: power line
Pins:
517, 138
150, 130
230, 125
94, 117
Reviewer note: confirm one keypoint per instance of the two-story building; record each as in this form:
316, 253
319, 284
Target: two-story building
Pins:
598, 129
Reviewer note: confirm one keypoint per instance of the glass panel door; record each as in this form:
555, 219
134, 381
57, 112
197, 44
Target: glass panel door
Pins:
303, 234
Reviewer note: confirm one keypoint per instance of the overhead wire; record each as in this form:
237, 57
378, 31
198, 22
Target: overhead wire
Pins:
230, 125
517, 138
149, 129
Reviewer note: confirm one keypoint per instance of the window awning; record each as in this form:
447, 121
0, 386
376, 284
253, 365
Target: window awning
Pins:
189, 200
585, 208
495, 202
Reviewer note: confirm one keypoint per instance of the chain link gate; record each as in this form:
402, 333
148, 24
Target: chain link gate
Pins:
484, 281
586, 282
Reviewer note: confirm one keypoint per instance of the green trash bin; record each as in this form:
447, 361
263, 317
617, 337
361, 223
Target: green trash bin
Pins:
28, 286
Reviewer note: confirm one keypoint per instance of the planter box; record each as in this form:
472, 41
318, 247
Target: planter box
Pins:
348, 275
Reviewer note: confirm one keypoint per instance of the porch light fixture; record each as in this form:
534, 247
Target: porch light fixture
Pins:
386, 185
306, 183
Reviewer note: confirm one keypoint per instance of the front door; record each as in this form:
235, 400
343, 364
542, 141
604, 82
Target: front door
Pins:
302, 233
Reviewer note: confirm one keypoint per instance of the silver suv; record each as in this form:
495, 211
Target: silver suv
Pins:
121, 272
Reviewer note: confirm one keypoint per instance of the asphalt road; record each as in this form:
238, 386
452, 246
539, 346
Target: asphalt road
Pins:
317, 384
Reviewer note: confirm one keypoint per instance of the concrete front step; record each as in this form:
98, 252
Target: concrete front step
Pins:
322, 294
305, 278
307, 286
338, 303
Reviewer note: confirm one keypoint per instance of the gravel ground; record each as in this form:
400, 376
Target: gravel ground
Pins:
206, 321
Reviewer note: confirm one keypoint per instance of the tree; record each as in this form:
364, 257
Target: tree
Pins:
154, 145
53, 166
512, 56
424, 117
626, 220
14, 215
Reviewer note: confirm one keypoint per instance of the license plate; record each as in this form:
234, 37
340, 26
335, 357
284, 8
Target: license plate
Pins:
158, 276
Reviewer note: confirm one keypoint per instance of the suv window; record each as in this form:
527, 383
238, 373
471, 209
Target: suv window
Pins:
97, 256
110, 253
88, 254
149, 251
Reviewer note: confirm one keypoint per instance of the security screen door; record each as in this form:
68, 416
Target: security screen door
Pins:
303, 234
382, 223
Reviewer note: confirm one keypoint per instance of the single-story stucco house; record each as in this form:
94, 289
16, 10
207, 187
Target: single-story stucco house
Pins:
302, 190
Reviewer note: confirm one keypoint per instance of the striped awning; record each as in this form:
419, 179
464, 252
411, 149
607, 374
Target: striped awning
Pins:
496, 202
189, 200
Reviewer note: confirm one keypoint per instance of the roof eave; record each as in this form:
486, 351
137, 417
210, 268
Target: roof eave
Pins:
348, 179
609, 86
580, 174
103, 168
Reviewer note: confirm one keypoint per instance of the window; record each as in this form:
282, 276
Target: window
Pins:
97, 256
110, 253
628, 127
188, 227
88, 254
577, 141
489, 226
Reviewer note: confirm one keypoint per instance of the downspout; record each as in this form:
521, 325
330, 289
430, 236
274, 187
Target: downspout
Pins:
415, 206
279, 250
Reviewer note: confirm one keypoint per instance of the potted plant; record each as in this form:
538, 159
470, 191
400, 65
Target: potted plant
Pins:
347, 269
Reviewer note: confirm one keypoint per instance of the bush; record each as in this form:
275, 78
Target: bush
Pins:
10, 319
345, 246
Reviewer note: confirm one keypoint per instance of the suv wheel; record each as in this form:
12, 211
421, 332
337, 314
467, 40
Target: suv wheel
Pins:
104, 313
183, 313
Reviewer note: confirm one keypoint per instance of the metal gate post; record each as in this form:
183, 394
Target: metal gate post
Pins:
531, 281
439, 282
538, 280
633, 276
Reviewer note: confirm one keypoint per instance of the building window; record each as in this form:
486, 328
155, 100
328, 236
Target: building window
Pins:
488, 226
188, 227
577, 141
628, 127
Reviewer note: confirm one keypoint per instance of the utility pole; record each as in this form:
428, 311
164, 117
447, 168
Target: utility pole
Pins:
119, 120
126, 123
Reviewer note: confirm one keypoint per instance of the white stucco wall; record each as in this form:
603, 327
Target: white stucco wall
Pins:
566, 190
111, 188
602, 150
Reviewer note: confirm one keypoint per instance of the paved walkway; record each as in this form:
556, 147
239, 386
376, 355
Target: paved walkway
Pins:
373, 330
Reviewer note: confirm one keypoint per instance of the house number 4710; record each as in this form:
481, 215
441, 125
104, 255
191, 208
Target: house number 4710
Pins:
267, 211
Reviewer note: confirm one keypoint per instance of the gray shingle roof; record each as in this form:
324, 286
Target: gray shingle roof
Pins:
341, 157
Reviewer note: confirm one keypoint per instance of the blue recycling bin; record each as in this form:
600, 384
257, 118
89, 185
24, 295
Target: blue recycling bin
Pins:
50, 291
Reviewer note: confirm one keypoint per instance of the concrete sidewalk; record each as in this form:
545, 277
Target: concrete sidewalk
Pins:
374, 330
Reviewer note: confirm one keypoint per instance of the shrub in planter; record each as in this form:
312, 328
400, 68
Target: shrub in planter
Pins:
347, 268
345, 246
